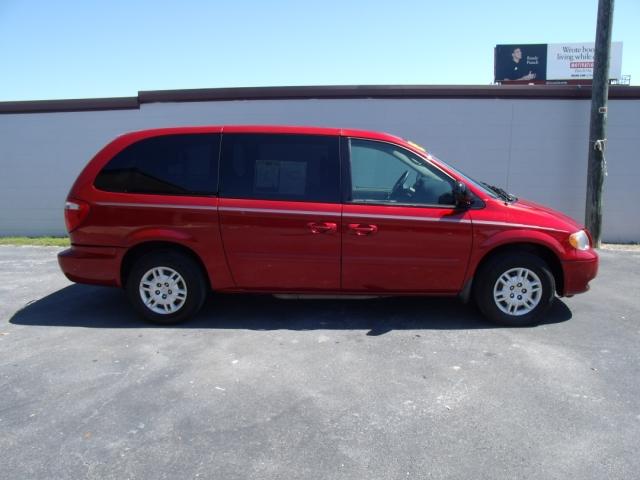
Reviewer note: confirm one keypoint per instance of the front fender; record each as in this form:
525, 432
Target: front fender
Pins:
486, 242
490, 242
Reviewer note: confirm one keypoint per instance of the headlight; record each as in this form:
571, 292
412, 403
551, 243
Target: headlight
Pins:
579, 240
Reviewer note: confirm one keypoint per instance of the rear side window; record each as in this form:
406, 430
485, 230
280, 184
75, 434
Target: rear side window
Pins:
280, 167
170, 164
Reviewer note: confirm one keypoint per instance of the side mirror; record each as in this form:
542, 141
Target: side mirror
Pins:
462, 196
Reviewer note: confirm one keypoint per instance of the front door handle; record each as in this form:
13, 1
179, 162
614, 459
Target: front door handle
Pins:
361, 229
322, 227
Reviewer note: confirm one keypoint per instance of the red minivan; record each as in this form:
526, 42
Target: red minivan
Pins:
169, 214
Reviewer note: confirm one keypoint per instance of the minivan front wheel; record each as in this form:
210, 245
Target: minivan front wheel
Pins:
514, 289
166, 287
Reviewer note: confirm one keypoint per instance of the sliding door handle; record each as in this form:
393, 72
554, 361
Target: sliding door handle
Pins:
322, 227
361, 229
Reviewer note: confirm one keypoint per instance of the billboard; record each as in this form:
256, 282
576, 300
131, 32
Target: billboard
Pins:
521, 62
537, 63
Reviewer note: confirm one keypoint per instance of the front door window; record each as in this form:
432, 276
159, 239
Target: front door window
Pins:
388, 174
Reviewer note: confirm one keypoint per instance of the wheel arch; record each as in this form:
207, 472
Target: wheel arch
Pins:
140, 249
544, 252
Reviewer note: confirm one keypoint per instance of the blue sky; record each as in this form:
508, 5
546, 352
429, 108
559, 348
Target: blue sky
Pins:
79, 49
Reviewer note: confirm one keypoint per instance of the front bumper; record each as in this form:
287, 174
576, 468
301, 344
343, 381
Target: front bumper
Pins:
578, 274
94, 265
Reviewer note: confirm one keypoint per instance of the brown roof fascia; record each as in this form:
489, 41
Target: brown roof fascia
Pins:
383, 91
527, 92
70, 105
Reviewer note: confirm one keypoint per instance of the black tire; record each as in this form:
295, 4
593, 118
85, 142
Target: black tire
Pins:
487, 279
192, 278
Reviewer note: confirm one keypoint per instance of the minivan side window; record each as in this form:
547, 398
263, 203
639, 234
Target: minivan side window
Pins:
185, 164
280, 167
386, 173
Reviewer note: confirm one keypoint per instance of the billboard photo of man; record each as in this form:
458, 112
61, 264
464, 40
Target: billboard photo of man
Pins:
520, 62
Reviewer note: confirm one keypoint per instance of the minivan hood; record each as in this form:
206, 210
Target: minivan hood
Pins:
547, 215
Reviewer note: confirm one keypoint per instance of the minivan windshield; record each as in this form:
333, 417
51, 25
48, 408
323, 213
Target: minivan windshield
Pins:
491, 190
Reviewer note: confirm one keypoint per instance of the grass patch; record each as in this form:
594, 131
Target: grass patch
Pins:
37, 241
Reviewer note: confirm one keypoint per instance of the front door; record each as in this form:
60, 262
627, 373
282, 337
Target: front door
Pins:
401, 230
280, 211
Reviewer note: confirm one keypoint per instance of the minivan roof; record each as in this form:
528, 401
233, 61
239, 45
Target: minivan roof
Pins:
294, 130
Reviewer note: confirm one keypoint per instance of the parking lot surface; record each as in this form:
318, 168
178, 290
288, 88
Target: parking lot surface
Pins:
262, 388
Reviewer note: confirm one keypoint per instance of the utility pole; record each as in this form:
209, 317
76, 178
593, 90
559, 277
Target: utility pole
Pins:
598, 125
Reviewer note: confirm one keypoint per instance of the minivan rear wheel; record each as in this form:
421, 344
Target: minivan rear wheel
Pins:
166, 287
514, 289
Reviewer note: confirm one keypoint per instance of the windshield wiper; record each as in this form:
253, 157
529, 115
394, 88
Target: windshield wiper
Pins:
503, 193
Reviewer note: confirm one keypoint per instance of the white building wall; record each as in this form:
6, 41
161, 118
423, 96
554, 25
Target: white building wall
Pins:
536, 148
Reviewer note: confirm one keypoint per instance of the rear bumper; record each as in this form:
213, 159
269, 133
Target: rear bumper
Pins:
95, 265
578, 274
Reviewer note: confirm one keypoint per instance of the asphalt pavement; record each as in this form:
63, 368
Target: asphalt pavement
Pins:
262, 388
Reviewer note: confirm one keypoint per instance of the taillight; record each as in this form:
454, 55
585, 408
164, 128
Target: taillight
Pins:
75, 211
